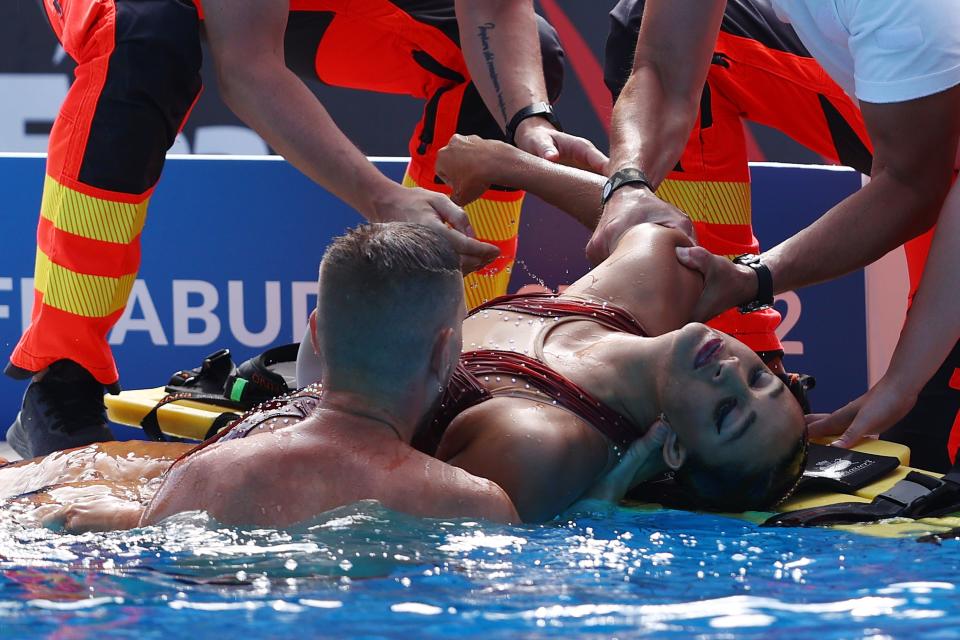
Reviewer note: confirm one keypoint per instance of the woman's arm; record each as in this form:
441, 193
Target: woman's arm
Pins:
643, 276
471, 164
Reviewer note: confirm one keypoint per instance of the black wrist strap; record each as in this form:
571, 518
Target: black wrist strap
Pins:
764, 299
623, 178
536, 110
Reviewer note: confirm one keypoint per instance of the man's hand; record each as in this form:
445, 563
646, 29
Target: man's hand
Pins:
871, 414
95, 513
538, 137
725, 284
401, 204
629, 207
642, 461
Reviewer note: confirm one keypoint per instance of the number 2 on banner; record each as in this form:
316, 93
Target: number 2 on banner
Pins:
790, 320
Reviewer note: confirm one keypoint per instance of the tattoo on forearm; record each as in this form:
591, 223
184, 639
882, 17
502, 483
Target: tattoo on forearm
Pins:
483, 33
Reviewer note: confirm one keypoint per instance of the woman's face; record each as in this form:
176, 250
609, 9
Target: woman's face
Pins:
724, 403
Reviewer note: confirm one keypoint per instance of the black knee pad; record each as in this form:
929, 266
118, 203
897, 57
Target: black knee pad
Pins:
152, 81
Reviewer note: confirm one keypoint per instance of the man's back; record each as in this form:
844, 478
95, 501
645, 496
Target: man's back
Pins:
294, 472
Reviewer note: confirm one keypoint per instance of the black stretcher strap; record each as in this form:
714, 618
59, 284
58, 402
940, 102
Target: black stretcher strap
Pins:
151, 423
916, 496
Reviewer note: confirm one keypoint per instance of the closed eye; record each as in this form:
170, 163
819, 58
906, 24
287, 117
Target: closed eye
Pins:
724, 407
760, 377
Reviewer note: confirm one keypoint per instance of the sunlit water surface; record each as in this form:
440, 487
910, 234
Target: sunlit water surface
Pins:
362, 571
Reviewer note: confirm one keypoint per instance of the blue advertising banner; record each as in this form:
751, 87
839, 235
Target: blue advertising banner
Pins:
232, 245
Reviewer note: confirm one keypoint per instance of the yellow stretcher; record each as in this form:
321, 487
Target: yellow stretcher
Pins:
193, 420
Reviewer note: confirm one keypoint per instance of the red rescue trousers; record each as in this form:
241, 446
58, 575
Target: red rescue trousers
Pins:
137, 76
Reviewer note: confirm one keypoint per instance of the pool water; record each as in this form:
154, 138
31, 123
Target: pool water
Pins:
364, 572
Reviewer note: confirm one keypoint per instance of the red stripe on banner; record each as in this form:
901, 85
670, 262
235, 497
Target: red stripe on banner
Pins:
585, 64
953, 443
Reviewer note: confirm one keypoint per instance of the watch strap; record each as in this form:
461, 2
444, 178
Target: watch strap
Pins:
536, 110
622, 178
764, 299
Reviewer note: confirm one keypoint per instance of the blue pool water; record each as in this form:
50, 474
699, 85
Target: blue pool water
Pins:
364, 572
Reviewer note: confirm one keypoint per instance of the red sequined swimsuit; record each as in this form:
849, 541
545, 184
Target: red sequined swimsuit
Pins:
465, 389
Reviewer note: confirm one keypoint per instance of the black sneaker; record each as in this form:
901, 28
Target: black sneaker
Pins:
62, 410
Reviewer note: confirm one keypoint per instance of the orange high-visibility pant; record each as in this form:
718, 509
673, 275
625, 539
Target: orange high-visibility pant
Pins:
411, 47
137, 76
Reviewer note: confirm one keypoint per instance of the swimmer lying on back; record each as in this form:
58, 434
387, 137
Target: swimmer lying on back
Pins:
612, 353
390, 307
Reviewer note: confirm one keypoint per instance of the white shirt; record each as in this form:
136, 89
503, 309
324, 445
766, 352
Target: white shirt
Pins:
881, 51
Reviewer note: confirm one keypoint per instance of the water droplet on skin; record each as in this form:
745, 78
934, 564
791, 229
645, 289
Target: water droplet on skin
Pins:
486, 378
513, 380
498, 378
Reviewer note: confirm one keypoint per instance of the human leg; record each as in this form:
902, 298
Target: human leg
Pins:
412, 47
137, 77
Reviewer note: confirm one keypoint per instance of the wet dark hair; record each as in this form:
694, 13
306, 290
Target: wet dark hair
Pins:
722, 488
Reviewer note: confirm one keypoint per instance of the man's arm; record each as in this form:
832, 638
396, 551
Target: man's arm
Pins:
915, 144
501, 45
930, 332
246, 38
655, 113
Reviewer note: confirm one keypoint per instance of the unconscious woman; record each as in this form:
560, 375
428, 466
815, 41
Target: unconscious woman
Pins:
551, 391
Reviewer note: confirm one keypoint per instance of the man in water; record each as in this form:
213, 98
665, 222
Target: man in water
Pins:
390, 308
388, 321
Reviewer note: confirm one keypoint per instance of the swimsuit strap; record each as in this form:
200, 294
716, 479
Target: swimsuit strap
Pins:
462, 392
295, 405
550, 306
566, 393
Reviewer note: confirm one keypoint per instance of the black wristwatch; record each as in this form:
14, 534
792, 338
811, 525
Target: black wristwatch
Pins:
622, 178
764, 299
536, 110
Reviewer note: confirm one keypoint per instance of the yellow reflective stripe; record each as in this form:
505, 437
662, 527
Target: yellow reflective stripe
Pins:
41, 271
494, 220
491, 219
481, 288
89, 217
708, 201
79, 293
